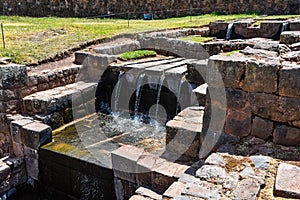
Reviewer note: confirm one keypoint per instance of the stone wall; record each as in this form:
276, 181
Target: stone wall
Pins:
161, 8
262, 97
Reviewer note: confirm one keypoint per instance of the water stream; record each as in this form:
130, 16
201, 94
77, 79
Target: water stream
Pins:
162, 78
229, 31
284, 27
118, 91
138, 94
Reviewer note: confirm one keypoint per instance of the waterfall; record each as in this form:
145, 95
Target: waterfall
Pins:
229, 31
162, 78
138, 90
117, 91
284, 27
182, 80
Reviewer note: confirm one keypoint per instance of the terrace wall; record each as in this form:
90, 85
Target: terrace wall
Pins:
161, 8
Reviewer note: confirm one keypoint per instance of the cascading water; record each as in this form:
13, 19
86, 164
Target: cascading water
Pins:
138, 94
162, 78
229, 31
284, 27
117, 93
182, 80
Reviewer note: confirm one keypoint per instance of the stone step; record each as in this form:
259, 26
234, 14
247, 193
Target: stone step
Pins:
54, 106
201, 94
184, 133
290, 37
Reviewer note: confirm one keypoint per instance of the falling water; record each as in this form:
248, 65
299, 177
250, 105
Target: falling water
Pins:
138, 93
229, 31
182, 80
284, 27
117, 92
162, 78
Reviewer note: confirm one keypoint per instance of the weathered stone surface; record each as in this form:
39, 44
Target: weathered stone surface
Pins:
286, 135
236, 99
259, 52
262, 128
226, 71
35, 134
32, 163
267, 44
197, 71
186, 49
261, 76
124, 161
215, 159
148, 193
144, 169
280, 109
293, 56
174, 190
287, 181
211, 173
247, 189
163, 174
289, 82
295, 46
238, 123
118, 47
16, 128
261, 162
4, 171
12, 76
139, 197
184, 132
290, 37
231, 181
201, 192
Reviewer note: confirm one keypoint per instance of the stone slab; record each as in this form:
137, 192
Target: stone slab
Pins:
287, 181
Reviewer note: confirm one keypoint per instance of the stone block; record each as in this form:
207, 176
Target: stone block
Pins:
32, 163
13, 76
4, 171
261, 77
279, 109
144, 169
197, 71
148, 193
285, 135
163, 174
226, 71
289, 82
211, 173
36, 134
247, 189
16, 128
124, 162
287, 183
201, 192
238, 122
290, 37
236, 99
184, 133
174, 190
262, 128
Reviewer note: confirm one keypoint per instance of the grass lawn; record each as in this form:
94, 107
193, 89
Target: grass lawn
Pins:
29, 40
196, 38
131, 55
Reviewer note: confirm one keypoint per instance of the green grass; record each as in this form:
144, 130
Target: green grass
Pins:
232, 52
197, 38
29, 40
131, 55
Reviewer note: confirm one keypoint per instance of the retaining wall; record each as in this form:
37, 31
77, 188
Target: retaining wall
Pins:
161, 8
